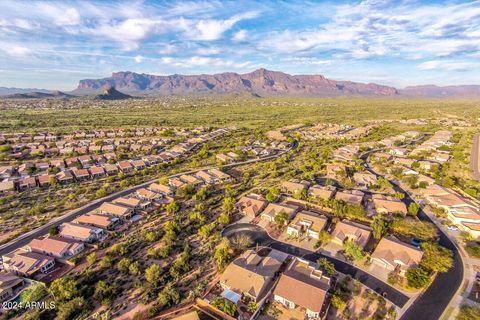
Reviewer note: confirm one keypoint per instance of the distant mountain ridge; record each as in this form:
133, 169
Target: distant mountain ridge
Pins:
5, 90
259, 82
37, 95
467, 91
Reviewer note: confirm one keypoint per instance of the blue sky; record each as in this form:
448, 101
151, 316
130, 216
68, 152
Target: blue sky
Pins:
53, 44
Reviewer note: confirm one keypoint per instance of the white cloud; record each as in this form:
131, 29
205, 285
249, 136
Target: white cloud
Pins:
197, 61
376, 28
448, 65
168, 49
62, 15
308, 60
239, 36
139, 59
208, 51
15, 50
211, 29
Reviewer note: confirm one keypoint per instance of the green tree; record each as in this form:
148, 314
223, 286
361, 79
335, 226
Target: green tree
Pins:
63, 289
134, 268
413, 209
326, 266
435, 257
417, 278
281, 218
91, 258
52, 231
324, 238
222, 254
70, 309
153, 275
228, 204
224, 305
201, 194
124, 265
224, 219
168, 296
379, 227
272, 194
205, 231
102, 192
353, 251
103, 290
337, 302
106, 262
151, 236
172, 207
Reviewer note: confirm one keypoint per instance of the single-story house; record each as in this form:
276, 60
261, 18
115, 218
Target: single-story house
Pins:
27, 263
251, 205
80, 232
302, 285
294, 185
392, 254
353, 197
321, 192
250, 274
163, 189
114, 209
348, 230
387, 204
307, 223
273, 209
57, 247
97, 220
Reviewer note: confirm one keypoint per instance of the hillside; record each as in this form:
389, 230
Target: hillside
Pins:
110, 93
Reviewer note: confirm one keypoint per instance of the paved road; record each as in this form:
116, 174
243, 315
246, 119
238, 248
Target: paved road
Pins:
40, 231
474, 159
259, 236
439, 294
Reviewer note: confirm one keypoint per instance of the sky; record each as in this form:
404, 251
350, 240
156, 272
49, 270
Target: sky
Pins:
54, 44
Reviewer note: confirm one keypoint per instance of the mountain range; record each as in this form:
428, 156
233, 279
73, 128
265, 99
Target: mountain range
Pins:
38, 95
260, 82
264, 82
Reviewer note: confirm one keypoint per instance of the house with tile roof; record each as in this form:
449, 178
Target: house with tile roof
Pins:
250, 274
307, 223
115, 209
98, 220
392, 254
273, 209
251, 205
302, 285
58, 247
347, 230
80, 232
27, 263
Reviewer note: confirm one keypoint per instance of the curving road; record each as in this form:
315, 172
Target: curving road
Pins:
40, 231
261, 237
438, 295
